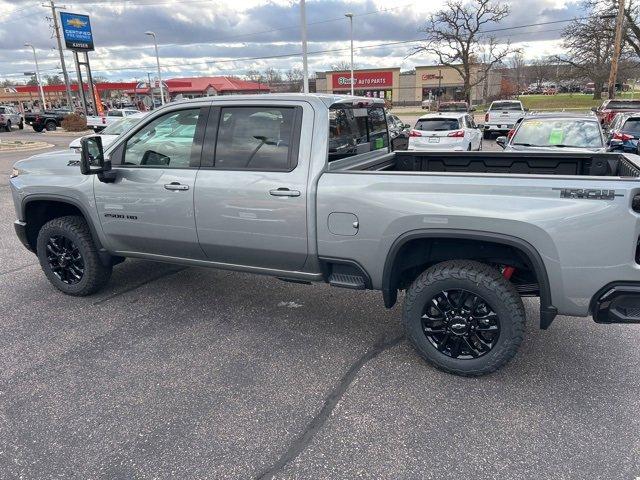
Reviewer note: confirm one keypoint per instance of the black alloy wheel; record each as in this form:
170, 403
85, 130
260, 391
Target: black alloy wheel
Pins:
460, 324
65, 259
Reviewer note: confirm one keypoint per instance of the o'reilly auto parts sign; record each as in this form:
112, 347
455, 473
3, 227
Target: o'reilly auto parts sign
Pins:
77, 31
363, 80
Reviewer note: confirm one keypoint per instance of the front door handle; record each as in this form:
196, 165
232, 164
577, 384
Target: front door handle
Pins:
284, 192
176, 186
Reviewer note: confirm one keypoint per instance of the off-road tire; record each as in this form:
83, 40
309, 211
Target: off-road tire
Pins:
50, 126
38, 129
75, 228
480, 279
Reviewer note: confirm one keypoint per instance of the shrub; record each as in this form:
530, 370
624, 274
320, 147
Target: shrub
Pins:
74, 123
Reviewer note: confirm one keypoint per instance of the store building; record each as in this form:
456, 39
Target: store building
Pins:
410, 88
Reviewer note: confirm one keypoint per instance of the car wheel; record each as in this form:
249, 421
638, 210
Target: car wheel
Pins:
480, 145
50, 126
8, 126
486, 134
69, 258
21, 125
38, 129
464, 317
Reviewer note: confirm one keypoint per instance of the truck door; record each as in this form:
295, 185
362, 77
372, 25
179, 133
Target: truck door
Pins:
250, 198
149, 206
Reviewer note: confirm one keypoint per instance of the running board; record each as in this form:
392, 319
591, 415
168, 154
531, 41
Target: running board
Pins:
344, 280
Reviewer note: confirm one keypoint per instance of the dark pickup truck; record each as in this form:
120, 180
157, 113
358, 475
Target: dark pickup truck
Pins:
48, 120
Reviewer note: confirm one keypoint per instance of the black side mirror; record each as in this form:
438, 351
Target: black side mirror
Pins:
472, 109
594, 109
92, 160
526, 109
502, 141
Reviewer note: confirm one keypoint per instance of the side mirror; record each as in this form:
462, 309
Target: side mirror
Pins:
406, 125
594, 109
502, 141
526, 109
92, 160
472, 109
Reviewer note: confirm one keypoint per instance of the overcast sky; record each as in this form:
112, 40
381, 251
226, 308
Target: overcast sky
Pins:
211, 37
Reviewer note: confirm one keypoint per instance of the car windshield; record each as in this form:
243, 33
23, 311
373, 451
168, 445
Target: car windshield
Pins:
558, 133
120, 126
623, 105
506, 106
632, 126
437, 124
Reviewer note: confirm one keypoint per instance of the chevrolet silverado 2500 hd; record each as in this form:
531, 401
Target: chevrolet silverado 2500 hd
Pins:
305, 188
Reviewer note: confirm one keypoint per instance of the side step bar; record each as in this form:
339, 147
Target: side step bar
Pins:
345, 280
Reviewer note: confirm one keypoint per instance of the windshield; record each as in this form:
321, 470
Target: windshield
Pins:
120, 126
632, 126
558, 133
506, 106
437, 124
623, 105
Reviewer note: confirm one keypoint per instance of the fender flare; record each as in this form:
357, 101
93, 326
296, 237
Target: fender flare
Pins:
105, 257
547, 311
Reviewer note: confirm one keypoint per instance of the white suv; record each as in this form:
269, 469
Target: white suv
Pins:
455, 131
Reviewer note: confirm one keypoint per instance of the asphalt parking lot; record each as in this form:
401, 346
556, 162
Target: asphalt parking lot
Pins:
195, 373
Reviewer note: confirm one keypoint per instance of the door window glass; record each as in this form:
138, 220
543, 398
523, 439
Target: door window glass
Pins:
165, 142
255, 138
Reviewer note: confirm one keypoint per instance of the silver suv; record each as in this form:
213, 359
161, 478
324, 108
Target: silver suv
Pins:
9, 117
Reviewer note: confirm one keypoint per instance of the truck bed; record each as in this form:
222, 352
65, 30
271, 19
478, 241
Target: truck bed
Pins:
518, 163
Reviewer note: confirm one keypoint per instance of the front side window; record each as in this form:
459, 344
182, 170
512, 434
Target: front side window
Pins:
256, 138
165, 142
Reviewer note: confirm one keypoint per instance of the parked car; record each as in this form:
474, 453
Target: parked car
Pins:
624, 133
454, 107
564, 132
100, 122
609, 108
112, 131
9, 117
48, 120
502, 116
248, 184
427, 104
452, 131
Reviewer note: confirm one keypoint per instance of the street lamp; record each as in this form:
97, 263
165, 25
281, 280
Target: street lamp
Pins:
155, 42
35, 57
350, 17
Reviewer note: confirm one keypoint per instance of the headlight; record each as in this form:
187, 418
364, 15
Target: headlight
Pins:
14, 172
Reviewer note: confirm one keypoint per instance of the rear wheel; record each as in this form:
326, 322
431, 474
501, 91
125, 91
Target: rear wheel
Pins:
69, 258
38, 129
50, 126
486, 135
464, 317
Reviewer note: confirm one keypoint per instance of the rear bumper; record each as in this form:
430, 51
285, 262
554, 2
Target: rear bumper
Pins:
21, 232
503, 127
617, 303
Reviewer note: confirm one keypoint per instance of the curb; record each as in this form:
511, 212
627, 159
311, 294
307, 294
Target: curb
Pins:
25, 148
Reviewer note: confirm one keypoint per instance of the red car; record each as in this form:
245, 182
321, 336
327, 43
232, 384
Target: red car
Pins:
610, 108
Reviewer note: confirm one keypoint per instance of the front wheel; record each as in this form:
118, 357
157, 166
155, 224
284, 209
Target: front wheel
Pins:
69, 258
464, 317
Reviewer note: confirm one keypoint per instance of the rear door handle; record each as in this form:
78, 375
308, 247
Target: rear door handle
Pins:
176, 186
284, 192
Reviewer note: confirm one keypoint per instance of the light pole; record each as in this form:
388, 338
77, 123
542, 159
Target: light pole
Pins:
305, 68
350, 17
613, 72
155, 42
35, 57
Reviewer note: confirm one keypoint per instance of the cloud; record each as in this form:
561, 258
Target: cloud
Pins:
205, 37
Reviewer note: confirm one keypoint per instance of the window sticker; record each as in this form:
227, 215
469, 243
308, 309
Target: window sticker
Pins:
556, 136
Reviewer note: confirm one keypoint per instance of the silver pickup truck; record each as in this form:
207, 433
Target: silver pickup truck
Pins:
305, 188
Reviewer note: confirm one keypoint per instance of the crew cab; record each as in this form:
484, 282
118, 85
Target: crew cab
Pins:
100, 122
305, 188
501, 116
48, 120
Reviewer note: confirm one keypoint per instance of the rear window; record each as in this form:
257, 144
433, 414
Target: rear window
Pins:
114, 113
506, 106
354, 130
452, 107
632, 126
437, 124
558, 133
626, 105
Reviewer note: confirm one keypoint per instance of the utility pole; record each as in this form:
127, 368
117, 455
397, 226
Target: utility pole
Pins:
350, 17
305, 68
56, 29
613, 73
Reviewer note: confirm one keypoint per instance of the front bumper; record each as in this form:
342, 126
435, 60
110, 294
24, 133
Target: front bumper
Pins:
617, 303
21, 232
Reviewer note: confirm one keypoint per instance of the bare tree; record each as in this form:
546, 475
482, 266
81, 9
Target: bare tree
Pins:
272, 76
542, 70
255, 76
518, 68
294, 79
342, 66
454, 36
589, 44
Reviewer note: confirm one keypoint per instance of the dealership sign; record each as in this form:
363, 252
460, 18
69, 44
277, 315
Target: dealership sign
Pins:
77, 31
363, 80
